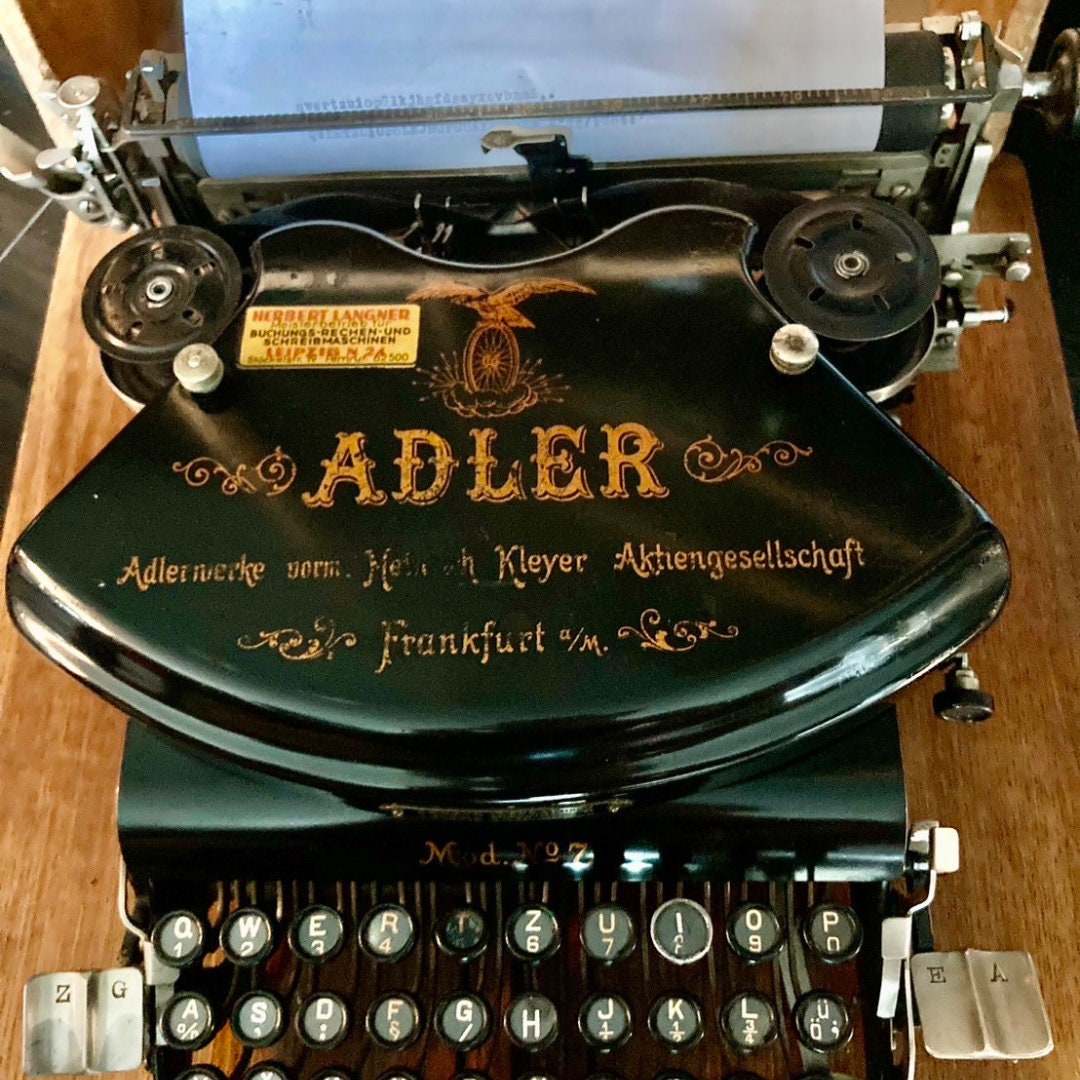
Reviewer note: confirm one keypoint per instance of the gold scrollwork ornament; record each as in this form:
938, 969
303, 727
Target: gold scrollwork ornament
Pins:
272, 476
708, 462
292, 644
684, 635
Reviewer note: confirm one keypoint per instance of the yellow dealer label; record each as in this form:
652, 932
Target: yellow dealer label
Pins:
317, 336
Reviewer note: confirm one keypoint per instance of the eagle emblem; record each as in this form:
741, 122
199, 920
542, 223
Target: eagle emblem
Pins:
489, 378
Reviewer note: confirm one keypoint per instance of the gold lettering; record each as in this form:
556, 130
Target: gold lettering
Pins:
349, 465
412, 460
484, 461
619, 458
551, 463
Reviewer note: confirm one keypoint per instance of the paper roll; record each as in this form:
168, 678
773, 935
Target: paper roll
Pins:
250, 57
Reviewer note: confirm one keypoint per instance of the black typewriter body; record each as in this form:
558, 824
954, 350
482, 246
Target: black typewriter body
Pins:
506, 585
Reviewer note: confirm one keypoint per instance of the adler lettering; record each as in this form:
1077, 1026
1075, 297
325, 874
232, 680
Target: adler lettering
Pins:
558, 469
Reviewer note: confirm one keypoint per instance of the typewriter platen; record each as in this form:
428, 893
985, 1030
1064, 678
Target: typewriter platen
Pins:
518, 575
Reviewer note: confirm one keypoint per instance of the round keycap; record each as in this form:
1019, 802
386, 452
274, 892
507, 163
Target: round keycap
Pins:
398, 1074
267, 1070
532, 933
755, 932
832, 932
464, 1021
675, 1021
333, 1074
393, 1021
187, 1021
674, 1074
258, 1019
607, 933
178, 938
463, 933
532, 1022
681, 930
317, 934
822, 1021
604, 1021
469, 1076
387, 933
749, 1022
323, 1021
201, 1072
247, 936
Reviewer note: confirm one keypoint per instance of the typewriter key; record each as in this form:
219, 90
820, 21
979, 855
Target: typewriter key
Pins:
267, 1070
681, 930
177, 938
832, 932
258, 1019
323, 1021
755, 932
247, 937
675, 1021
187, 1021
387, 933
604, 1021
393, 1021
398, 1074
607, 933
463, 1021
463, 933
532, 933
317, 934
201, 1072
532, 1021
822, 1021
749, 1022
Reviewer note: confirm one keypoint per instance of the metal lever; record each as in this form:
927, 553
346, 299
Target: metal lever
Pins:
981, 1006
83, 1022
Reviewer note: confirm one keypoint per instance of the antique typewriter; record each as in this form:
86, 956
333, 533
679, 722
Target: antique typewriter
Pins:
506, 575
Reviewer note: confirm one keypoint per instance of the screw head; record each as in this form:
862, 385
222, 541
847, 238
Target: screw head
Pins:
794, 349
1018, 270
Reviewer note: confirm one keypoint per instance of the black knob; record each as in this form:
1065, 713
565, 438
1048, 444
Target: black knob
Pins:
1061, 104
963, 700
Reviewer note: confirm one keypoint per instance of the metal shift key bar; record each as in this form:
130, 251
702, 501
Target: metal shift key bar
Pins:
83, 1022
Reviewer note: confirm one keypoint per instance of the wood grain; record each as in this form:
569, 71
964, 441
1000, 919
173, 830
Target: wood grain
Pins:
1003, 425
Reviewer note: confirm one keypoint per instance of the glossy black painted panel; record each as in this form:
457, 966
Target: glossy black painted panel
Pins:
797, 556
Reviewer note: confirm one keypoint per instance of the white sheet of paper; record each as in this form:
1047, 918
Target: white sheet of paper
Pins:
252, 57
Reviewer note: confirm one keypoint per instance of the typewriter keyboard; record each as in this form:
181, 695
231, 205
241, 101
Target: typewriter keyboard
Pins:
499, 981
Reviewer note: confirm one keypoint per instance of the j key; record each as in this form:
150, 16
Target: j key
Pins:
607, 933
317, 934
833, 933
323, 1021
749, 1022
268, 1070
387, 933
755, 932
258, 1019
604, 1021
178, 938
822, 1021
532, 933
187, 1021
675, 1021
532, 1022
463, 933
681, 930
247, 936
393, 1021
463, 1021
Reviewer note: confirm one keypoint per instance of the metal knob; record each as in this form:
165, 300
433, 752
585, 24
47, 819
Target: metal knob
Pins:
962, 700
794, 349
198, 368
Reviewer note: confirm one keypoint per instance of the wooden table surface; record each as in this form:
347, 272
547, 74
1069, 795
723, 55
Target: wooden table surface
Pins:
1002, 425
